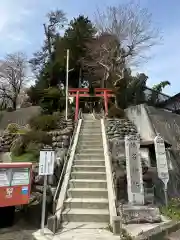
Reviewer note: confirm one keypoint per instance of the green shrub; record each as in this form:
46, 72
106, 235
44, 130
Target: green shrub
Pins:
115, 112
13, 128
9, 109
53, 100
44, 122
34, 149
172, 210
17, 147
38, 137
26, 104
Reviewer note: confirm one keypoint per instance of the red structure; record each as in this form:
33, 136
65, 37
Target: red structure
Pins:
15, 183
84, 92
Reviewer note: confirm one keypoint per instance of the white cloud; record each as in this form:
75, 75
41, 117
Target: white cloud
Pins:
13, 14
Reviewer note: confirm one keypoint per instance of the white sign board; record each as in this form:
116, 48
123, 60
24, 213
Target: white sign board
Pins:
5, 177
161, 159
20, 176
46, 162
134, 170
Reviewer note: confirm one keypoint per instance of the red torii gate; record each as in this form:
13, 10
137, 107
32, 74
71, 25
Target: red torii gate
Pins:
84, 92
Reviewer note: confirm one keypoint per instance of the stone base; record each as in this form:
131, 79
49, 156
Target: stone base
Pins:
140, 214
51, 223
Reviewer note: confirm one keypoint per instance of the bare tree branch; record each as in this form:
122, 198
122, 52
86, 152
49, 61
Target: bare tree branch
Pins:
12, 77
131, 35
132, 25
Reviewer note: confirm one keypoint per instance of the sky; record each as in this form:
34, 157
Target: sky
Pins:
21, 29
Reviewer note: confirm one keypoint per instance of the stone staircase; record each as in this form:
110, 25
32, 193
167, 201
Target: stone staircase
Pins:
87, 195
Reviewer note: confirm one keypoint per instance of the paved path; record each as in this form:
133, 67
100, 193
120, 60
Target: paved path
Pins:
79, 231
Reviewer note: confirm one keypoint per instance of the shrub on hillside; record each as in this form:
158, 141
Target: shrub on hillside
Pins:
53, 100
17, 147
31, 142
13, 128
9, 109
44, 122
34, 149
26, 104
38, 137
115, 112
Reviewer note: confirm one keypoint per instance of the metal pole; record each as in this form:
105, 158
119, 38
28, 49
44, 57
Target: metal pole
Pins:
44, 205
166, 196
67, 82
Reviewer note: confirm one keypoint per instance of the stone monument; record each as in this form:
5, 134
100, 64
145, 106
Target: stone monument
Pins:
136, 211
162, 165
134, 170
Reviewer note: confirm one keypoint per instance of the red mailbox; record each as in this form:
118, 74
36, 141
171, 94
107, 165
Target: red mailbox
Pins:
15, 183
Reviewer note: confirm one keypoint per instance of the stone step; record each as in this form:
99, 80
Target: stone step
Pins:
87, 203
89, 162
90, 151
88, 175
99, 156
87, 193
87, 168
85, 215
87, 183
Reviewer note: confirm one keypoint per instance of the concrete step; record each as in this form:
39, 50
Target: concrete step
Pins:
83, 139
91, 128
88, 175
87, 203
90, 151
90, 146
85, 215
89, 162
91, 123
89, 156
87, 183
84, 226
91, 142
87, 168
87, 193
90, 137
90, 134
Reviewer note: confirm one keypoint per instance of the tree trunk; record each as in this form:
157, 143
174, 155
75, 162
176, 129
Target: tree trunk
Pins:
14, 103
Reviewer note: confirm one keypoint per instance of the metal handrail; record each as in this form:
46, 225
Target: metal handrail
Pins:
65, 163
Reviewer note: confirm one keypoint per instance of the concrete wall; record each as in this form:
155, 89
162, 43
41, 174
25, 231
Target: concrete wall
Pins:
144, 152
138, 115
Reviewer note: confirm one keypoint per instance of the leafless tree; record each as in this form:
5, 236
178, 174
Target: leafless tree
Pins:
131, 26
12, 77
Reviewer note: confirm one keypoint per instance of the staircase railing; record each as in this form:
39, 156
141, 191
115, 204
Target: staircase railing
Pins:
61, 191
65, 164
109, 174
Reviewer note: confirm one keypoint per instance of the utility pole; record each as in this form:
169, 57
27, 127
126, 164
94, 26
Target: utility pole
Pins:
67, 82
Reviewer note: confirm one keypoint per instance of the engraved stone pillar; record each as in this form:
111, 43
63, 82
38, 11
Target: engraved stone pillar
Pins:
134, 170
